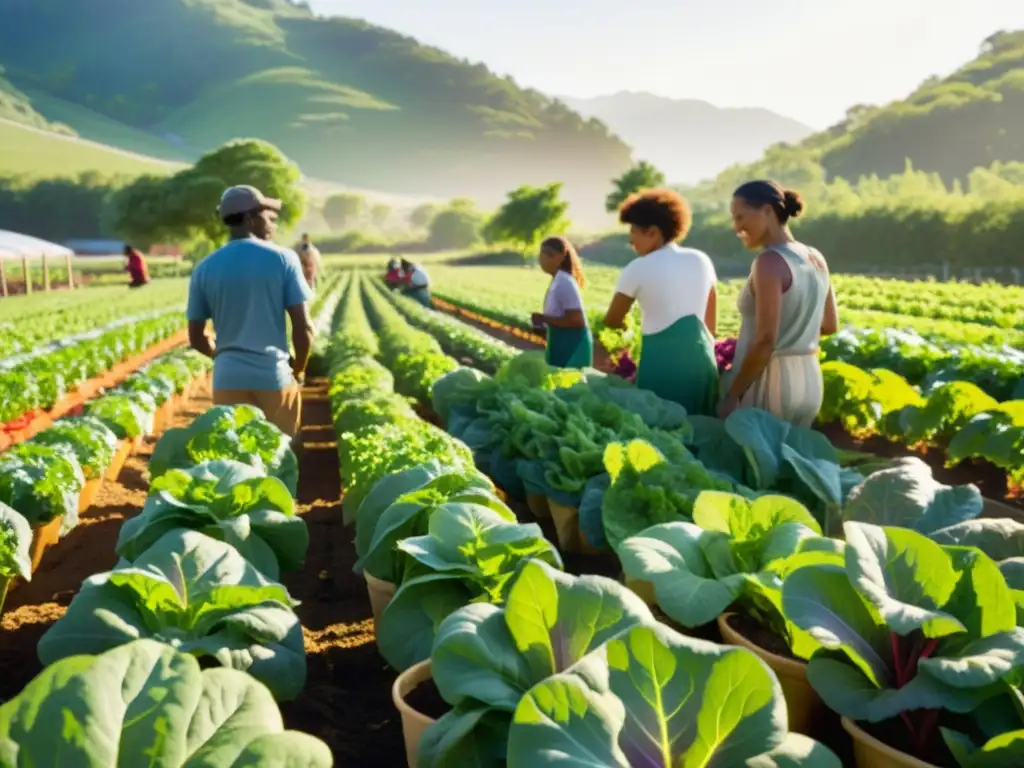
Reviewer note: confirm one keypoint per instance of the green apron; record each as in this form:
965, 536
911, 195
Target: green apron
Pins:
570, 347
679, 364
422, 295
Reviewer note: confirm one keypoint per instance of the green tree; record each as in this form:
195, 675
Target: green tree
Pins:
380, 215
529, 214
183, 208
456, 226
643, 175
422, 215
344, 211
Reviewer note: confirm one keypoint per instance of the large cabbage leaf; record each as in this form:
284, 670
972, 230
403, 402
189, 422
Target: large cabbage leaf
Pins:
226, 500
653, 697
146, 704
485, 657
196, 594
470, 554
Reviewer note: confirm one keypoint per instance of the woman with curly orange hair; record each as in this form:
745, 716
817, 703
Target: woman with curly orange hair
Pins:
675, 288
569, 341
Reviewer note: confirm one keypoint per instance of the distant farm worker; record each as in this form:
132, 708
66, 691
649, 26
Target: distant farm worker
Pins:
569, 340
309, 256
787, 304
135, 267
393, 277
246, 288
417, 283
675, 288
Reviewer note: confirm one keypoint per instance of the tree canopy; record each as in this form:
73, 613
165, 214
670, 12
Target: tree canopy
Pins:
529, 214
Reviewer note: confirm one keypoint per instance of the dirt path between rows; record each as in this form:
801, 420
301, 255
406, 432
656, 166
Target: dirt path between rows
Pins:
347, 699
32, 608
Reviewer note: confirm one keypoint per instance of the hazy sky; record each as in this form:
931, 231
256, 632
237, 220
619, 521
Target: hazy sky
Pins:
807, 59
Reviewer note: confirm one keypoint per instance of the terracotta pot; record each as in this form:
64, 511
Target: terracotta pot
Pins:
567, 526
414, 723
804, 705
124, 450
380, 593
869, 752
538, 505
88, 494
43, 538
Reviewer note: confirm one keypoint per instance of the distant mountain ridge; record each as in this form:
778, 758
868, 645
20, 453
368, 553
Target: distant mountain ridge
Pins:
689, 139
349, 101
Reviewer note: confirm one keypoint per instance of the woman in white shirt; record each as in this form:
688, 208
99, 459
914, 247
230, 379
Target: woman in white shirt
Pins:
418, 283
569, 341
675, 288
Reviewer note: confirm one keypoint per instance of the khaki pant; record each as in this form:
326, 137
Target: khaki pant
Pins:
283, 408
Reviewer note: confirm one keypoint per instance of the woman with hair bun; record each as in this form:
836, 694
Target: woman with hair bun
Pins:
786, 306
569, 341
676, 290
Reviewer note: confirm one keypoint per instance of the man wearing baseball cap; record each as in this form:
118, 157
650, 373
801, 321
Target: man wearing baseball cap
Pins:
246, 288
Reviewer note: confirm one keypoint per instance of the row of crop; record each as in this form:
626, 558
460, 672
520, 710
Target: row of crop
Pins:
197, 579
196, 585
28, 322
961, 419
484, 598
905, 618
46, 481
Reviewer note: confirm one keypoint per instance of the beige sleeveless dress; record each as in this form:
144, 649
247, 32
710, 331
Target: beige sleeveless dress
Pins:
790, 385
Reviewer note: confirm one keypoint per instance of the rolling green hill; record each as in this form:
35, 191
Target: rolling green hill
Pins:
951, 125
348, 101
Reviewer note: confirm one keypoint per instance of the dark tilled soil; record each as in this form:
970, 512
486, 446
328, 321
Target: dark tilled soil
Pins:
347, 698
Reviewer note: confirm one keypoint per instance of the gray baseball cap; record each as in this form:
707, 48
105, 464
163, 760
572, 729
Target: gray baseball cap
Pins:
245, 199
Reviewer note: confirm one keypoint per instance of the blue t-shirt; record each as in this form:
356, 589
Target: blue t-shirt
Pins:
245, 288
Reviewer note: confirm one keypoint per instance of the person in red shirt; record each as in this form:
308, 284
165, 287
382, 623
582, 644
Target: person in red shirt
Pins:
394, 275
136, 267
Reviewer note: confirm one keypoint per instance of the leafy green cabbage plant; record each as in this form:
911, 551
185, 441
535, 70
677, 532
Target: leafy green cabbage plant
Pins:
196, 594
145, 703
470, 554
237, 432
485, 657
229, 501
91, 441
15, 543
907, 628
42, 482
735, 550
400, 505
653, 697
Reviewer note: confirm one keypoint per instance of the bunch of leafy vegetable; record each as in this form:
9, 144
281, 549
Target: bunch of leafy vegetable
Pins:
196, 594
41, 482
89, 439
905, 628
15, 544
226, 500
145, 703
485, 657
237, 432
469, 554
653, 697
734, 551
127, 415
